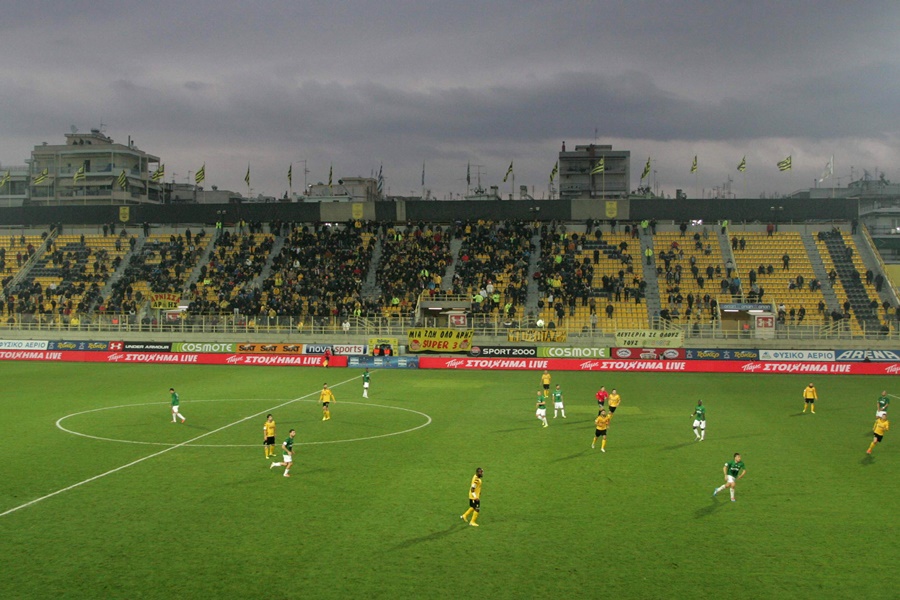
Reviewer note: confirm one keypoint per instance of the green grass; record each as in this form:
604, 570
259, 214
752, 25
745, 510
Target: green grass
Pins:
380, 517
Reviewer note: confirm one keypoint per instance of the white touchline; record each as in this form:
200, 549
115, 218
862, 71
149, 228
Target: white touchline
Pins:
161, 452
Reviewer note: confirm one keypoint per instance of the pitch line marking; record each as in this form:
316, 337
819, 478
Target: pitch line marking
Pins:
191, 445
160, 453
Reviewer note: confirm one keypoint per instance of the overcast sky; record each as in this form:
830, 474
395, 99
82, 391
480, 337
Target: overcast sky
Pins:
358, 85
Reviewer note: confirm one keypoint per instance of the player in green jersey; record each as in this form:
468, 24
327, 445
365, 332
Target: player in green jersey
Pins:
287, 448
541, 408
366, 377
558, 403
882, 404
733, 470
176, 414
699, 421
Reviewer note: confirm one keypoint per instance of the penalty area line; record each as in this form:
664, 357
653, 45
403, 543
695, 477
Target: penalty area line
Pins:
161, 452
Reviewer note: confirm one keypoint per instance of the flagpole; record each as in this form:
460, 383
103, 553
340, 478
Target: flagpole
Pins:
832, 176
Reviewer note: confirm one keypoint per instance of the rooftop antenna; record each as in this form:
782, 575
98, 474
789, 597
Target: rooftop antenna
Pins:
102, 126
479, 189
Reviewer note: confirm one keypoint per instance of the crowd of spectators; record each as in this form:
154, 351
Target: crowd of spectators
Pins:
566, 273
493, 265
225, 282
318, 273
414, 258
164, 264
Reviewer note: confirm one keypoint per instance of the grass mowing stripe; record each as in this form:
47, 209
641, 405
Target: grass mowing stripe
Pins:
161, 452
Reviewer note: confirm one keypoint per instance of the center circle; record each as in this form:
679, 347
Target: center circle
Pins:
59, 423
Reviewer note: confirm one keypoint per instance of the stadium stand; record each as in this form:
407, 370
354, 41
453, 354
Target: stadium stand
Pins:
591, 284
319, 273
783, 272
493, 266
226, 280
689, 271
411, 258
857, 293
162, 264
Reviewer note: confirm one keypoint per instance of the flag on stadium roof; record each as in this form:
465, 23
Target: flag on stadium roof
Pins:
201, 175
785, 165
247, 176
291, 175
40, 177
600, 167
743, 166
509, 172
79, 174
554, 172
646, 169
159, 174
123, 180
829, 170
694, 165
380, 180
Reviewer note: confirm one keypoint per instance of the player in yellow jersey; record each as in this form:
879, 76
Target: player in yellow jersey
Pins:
881, 427
326, 398
809, 398
474, 498
545, 381
602, 423
614, 400
269, 436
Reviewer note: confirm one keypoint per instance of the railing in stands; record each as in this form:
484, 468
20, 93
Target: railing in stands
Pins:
398, 326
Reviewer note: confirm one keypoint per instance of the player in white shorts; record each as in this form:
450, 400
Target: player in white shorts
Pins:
558, 402
541, 408
699, 421
881, 405
287, 447
366, 377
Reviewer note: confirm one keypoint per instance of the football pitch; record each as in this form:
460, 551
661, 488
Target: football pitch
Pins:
102, 496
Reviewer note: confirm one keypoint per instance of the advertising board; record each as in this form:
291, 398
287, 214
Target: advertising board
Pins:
720, 354
647, 353
496, 351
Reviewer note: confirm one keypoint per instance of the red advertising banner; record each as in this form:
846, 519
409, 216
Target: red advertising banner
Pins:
260, 360
670, 366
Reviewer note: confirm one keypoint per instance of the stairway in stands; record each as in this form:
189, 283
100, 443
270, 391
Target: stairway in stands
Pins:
815, 259
447, 275
850, 279
651, 292
531, 300
277, 247
370, 289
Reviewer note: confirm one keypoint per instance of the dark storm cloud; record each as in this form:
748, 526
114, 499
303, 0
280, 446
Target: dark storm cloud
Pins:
450, 83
